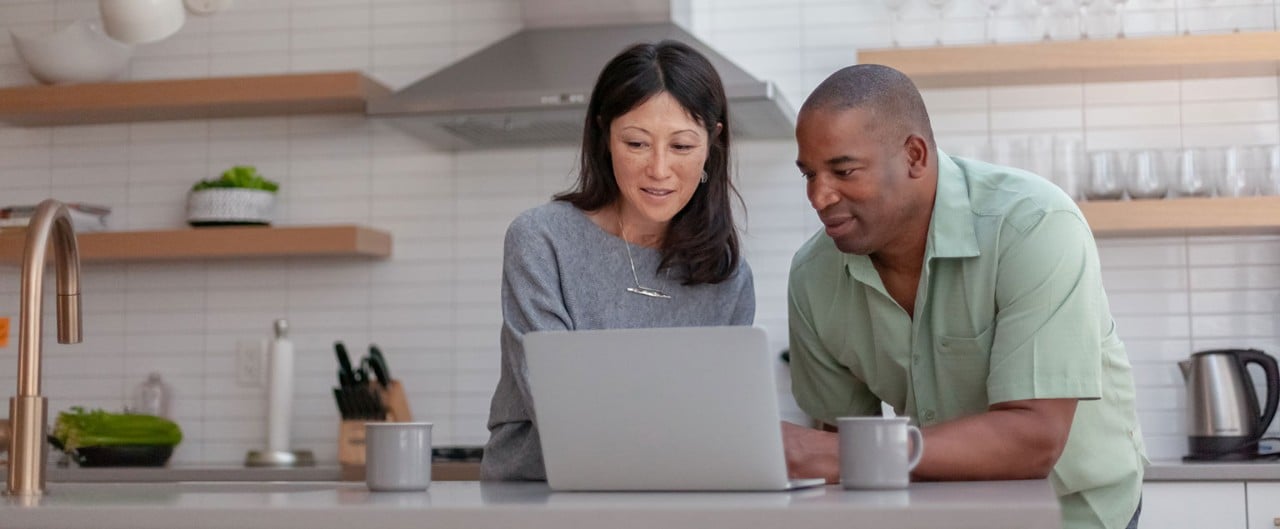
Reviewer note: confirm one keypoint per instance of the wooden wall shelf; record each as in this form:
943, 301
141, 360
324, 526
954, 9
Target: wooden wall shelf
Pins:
1233, 54
309, 93
218, 243
1183, 216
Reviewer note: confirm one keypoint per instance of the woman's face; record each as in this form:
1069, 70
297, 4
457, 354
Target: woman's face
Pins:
658, 152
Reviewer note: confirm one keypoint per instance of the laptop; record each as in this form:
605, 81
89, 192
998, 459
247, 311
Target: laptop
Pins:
666, 409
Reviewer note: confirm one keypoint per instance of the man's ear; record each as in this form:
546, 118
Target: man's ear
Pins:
919, 155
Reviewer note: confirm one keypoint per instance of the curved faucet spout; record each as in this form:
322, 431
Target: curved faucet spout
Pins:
28, 410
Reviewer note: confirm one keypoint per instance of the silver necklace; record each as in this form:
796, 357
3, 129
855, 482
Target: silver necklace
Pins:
638, 289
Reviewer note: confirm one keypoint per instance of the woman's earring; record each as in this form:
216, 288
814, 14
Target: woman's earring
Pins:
704, 177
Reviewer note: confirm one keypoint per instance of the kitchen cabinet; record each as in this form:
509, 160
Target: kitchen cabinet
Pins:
1193, 505
1264, 505
218, 242
173, 99
1231, 54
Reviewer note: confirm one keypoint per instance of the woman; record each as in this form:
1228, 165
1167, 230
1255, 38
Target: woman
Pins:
646, 238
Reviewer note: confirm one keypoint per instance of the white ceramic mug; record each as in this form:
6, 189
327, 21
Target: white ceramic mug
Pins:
874, 452
397, 456
141, 21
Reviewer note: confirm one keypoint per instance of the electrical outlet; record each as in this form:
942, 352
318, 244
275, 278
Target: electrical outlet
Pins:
251, 363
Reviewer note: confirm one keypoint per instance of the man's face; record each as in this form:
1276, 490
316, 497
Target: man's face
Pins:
856, 179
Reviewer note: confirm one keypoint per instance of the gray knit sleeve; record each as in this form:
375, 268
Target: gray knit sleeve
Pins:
531, 295
744, 311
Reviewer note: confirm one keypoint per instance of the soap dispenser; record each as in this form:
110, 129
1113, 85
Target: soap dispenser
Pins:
152, 397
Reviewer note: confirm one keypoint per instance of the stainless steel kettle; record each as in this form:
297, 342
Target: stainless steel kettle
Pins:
1223, 419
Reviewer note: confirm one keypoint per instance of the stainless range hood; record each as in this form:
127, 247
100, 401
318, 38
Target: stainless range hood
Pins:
532, 87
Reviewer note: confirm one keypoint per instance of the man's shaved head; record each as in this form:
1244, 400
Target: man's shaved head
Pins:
887, 95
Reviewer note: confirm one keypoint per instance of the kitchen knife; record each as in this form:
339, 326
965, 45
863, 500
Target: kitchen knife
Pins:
346, 377
377, 366
374, 352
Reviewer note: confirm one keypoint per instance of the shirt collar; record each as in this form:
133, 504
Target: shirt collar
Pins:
951, 230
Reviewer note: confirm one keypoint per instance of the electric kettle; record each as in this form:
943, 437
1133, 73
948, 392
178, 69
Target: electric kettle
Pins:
1223, 420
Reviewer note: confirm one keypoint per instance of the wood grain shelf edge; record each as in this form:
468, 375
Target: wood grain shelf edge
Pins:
303, 93
1243, 54
1183, 216
219, 243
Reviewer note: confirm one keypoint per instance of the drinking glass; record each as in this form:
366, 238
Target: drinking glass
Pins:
895, 16
1268, 173
1009, 152
1070, 166
1105, 182
1046, 17
988, 31
1234, 180
1148, 172
1083, 17
940, 6
1119, 5
1191, 180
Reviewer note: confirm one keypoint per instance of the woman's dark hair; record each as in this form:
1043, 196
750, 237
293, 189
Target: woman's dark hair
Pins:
701, 240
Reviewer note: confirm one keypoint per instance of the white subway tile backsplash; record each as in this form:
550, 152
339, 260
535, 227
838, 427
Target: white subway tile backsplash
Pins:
1133, 115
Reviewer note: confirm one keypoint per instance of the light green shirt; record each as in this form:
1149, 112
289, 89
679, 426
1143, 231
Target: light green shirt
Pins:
1010, 307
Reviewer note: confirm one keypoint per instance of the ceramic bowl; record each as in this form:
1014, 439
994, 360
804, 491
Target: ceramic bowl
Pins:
77, 53
230, 206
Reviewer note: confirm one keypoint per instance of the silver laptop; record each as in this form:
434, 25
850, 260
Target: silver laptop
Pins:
691, 408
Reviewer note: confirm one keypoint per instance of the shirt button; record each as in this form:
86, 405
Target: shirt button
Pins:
928, 415
915, 359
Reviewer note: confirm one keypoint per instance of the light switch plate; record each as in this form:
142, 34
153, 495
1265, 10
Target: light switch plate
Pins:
206, 7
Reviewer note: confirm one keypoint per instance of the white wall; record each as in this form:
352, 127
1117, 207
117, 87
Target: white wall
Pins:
433, 306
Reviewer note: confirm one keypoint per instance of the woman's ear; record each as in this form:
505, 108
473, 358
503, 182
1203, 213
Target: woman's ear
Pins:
715, 133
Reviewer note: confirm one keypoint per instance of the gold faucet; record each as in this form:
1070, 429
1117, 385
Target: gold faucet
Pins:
28, 410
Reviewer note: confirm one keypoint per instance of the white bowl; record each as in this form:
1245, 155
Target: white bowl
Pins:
78, 53
230, 206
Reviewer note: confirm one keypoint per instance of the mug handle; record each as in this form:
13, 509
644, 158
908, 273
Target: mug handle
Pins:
917, 445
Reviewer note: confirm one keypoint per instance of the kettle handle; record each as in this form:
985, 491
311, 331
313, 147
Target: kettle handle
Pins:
1268, 364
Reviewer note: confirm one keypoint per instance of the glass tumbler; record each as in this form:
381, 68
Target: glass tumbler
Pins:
1192, 180
1268, 173
1234, 178
1105, 176
1147, 175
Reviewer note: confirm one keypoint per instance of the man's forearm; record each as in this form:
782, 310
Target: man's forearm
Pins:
1013, 442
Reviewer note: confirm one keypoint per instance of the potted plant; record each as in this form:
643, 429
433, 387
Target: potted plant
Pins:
239, 196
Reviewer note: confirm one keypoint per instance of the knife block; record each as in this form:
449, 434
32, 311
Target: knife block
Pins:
351, 446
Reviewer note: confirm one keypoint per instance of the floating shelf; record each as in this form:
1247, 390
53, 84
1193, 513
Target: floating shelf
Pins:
1253, 53
218, 243
310, 93
1183, 216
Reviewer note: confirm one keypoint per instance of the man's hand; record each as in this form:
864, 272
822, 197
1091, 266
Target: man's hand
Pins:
811, 453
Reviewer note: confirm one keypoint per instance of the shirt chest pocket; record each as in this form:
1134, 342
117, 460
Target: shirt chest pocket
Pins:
955, 346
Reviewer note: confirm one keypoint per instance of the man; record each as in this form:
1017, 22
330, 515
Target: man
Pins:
965, 295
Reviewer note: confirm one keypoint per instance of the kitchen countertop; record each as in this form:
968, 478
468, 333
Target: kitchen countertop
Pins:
440, 471
989, 505
1176, 470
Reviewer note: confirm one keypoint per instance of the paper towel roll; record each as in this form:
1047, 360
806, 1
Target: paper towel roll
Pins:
279, 390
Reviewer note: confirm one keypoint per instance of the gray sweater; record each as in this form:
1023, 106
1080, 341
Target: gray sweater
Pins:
561, 271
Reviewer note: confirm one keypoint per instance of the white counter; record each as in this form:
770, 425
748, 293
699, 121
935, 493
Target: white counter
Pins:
1176, 470
987, 505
